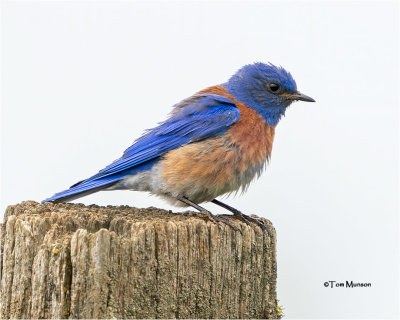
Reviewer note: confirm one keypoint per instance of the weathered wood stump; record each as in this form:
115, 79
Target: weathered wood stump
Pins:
76, 261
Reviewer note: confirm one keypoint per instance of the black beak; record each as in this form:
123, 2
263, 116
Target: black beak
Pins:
299, 96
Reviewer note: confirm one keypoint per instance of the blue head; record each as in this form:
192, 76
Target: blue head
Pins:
266, 88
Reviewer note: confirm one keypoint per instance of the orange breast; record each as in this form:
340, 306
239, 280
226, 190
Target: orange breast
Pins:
251, 133
208, 168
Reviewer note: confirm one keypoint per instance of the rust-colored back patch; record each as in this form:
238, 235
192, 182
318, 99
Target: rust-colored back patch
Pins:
250, 132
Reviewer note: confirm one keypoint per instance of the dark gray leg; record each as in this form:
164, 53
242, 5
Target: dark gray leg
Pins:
208, 214
243, 217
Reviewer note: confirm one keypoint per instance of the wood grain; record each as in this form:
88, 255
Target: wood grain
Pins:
76, 261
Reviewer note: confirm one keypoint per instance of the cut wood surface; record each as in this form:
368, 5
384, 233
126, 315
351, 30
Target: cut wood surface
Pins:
76, 261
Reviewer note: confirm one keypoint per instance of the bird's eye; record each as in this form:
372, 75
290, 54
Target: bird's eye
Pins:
274, 87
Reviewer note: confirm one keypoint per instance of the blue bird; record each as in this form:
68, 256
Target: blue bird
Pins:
213, 143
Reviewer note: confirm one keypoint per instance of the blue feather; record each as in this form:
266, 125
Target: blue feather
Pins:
248, 86
199, 117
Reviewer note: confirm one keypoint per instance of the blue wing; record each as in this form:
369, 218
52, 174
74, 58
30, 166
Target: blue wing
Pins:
200, 117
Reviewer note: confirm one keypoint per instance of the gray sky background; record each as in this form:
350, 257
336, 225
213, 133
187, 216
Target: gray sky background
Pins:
81, 81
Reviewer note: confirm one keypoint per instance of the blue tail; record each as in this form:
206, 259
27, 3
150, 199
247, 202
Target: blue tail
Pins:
81, 189
97, 183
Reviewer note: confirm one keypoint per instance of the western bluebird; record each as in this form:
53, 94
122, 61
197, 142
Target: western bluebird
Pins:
214, 142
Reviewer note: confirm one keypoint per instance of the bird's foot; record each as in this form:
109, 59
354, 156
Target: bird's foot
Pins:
216, 219
258, 222
243, 217
207, 214
247, 219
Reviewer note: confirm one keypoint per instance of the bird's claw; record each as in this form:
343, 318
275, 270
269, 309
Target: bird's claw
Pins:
245, 218
216, 219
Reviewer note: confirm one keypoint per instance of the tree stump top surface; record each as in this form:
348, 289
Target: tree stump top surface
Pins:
77, 261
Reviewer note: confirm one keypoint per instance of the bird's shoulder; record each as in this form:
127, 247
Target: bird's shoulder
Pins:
250, 130
248, 115
207, 102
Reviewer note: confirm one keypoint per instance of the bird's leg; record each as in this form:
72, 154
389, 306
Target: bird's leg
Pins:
243, 217
208, 214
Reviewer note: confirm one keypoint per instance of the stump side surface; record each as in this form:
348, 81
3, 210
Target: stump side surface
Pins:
76, 261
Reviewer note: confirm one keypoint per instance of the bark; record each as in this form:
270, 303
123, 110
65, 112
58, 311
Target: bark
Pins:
76, 261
